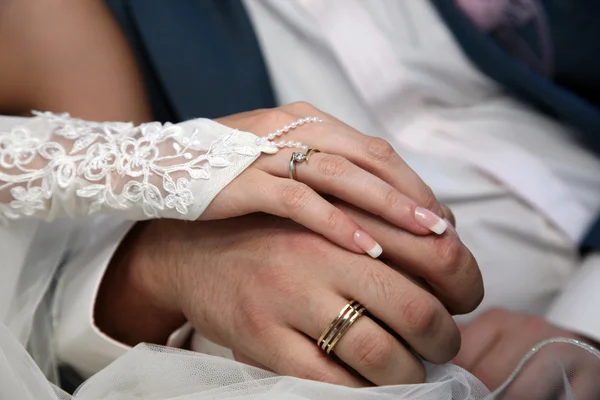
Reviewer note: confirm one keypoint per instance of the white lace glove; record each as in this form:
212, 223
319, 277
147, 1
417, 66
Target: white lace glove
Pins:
54, 166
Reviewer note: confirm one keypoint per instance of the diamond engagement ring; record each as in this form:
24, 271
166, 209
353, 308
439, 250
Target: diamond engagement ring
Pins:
299, 158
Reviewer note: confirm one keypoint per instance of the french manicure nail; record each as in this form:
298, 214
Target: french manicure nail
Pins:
367, 243
429, 220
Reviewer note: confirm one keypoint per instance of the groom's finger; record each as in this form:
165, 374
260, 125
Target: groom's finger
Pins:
290, 353
442, 261
366, 347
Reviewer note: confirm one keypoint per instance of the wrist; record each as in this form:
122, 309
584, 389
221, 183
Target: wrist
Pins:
130, 306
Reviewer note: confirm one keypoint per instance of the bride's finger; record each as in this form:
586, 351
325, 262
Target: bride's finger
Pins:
373, 154
262, 192
335, 175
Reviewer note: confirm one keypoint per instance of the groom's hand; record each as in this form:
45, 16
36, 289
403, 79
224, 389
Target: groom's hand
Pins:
267, 288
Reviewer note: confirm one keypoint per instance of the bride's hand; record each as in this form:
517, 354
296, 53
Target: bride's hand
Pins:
361, 170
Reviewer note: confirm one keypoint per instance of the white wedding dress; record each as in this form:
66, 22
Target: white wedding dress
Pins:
54, 166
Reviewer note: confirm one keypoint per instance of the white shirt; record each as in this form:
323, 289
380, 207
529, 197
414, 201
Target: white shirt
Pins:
522, 190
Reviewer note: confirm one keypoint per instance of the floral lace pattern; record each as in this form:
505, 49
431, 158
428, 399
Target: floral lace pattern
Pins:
114, 166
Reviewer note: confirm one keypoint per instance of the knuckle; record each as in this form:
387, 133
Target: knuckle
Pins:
273, 118
382, 283
334, 219
378, 150
294, 197
256, 321
391, 199
373, 351
451, 255
420, 314
302, 107
332, 166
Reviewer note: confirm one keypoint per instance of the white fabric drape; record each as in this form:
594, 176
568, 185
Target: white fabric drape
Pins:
151, 372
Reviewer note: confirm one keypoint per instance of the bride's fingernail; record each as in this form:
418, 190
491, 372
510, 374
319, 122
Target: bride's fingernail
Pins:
430, 221
367, 243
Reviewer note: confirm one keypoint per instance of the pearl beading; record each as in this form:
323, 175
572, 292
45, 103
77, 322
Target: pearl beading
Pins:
269, 139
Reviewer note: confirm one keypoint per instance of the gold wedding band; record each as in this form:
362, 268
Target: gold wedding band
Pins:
340, 325
299, 158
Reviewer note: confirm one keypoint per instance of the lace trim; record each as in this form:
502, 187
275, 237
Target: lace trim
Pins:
112, 165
